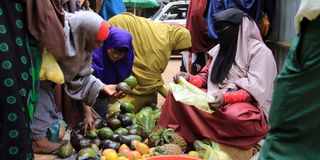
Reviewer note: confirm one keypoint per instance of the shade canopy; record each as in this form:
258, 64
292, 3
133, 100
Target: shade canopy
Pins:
141, 3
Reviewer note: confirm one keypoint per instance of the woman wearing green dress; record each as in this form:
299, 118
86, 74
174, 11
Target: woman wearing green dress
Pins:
295, 108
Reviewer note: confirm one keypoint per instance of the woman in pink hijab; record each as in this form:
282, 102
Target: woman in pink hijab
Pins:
240, 73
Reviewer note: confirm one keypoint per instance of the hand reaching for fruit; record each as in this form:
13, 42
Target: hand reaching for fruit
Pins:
182, 74
218, 103
88, 120
113, 92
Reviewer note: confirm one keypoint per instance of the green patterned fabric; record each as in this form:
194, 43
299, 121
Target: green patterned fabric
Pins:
294, 114
36, 59
18, 82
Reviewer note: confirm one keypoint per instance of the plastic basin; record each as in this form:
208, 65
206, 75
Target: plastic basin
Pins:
172, 157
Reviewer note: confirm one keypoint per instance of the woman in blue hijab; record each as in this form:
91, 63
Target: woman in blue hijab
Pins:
112, 62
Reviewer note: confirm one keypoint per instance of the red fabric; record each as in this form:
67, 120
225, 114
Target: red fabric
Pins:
103, 32
240, 125
236, 96
197, 25
195, 80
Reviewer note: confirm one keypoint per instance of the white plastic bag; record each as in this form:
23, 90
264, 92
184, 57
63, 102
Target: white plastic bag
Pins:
189, 94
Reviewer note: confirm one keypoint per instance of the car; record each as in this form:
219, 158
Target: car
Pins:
173, 13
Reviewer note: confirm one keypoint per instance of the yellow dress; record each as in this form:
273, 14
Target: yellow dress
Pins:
153, 43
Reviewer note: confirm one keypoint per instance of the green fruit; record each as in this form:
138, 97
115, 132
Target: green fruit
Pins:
131, 115
121, 131
94, 147
127, 107
131, 81
113, 109
134, 137
92, 134
65, 150
85, 153
105, 133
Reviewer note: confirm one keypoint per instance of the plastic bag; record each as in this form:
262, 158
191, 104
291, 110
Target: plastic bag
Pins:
50, 70
210, 150
189, 94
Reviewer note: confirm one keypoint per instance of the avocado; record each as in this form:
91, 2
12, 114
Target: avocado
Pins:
105, 133
92, 134
100, 123
122, 86
133, 131
125, 140
127, 107
125, 120
94, 147
65, 150
86, 153
121, 131
134, 137
115, 138
96, 141
114, 123
131, 81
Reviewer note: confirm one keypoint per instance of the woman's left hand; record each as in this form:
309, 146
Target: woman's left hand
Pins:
218, 103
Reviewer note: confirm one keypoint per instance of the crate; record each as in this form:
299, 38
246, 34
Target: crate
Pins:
236, 153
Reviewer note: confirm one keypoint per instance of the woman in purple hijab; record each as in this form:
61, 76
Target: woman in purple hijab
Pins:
112, 62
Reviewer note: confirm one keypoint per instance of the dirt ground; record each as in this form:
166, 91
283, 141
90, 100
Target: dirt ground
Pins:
172, 68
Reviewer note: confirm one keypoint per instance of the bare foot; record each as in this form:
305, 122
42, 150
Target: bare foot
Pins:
44, 146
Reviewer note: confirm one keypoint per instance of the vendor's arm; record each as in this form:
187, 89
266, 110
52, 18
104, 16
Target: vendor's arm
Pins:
230, 97
237, 96
200, 80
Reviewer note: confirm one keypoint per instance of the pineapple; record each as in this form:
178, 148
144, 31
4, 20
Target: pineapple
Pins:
165, 136
158, 136
167, 149
178, 140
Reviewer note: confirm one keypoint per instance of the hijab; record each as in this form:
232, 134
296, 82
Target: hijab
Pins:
81, 29
106, 71
228, 22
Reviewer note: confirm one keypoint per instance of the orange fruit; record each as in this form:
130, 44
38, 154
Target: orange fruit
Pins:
123, 158
108, 151
141, 148
123, 147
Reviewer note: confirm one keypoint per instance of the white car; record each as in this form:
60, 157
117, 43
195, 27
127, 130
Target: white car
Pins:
173, 13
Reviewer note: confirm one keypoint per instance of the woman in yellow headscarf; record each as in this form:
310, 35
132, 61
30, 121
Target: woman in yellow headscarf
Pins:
153, 44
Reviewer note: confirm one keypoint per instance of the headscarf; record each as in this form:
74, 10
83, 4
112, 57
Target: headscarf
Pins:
106, 71
81, 29
254, 68
251, 7
110, 8
228, 43
309, 9
45, 23
153, 43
